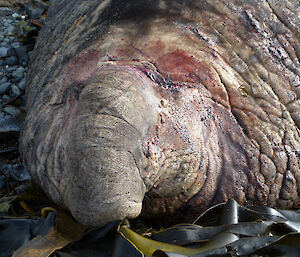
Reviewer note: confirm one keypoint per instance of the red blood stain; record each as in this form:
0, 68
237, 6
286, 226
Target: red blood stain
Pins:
181, 67
185, 68
155, 47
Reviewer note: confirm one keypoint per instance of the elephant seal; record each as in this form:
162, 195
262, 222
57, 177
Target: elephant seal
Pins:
165, 106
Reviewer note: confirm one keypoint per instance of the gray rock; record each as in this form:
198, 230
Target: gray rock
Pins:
3, 80
14, 90
6, 23
18, 74
10, 28
2, 73
3, 51
7, 123
12, 60
5, 97
4, 44
24, 63
5, 11
15, 44
11, 52
11, 68
19, 173
22, 84
12, 110
4, 87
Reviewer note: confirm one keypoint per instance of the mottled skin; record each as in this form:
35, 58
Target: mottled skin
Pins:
184, 104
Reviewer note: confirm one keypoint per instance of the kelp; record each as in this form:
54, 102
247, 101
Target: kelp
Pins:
16, 232
227, 229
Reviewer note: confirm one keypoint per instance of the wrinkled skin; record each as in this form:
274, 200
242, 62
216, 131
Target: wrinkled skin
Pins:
178, 105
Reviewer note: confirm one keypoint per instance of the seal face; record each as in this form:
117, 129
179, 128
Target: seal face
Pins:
178, 105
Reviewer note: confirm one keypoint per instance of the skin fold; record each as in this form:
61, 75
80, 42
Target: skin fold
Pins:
165, 107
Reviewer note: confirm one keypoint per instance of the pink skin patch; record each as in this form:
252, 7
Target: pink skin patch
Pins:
78, 71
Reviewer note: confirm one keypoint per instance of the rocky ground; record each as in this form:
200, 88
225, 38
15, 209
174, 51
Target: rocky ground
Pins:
19, 25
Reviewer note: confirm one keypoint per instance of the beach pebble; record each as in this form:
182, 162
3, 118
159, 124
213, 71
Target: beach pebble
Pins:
22, 84
12, 110
4, 87
3, 51
15, 91
12, 60
3, 79
18, 74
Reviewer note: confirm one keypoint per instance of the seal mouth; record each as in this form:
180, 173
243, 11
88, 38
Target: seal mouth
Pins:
97, 212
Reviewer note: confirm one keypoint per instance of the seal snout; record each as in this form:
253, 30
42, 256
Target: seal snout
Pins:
105, 151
